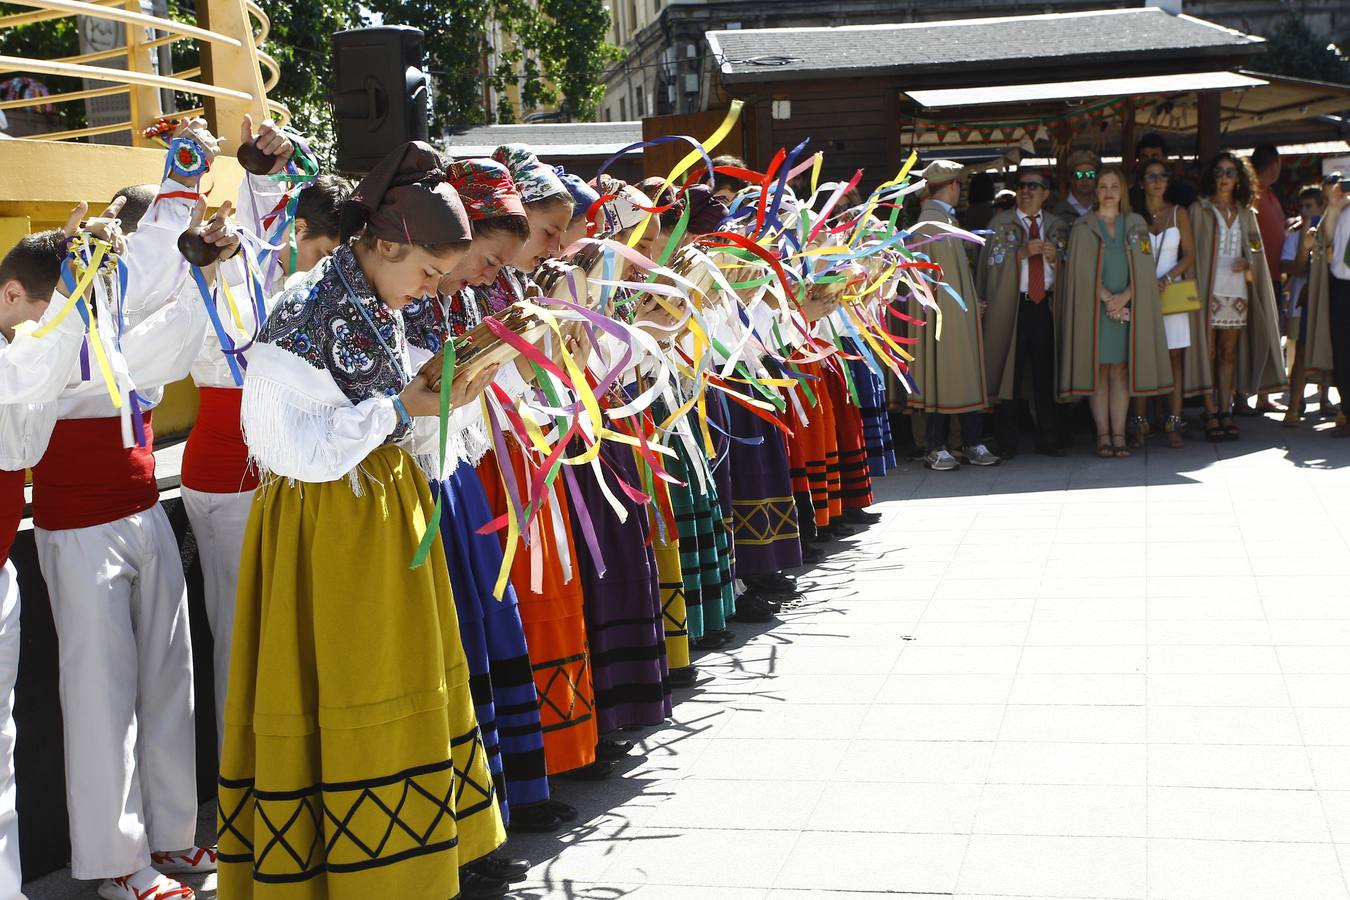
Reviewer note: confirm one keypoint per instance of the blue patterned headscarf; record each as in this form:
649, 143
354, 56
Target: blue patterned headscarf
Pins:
534, 180
583, 195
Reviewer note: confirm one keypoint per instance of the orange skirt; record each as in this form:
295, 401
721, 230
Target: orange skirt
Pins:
813, 450
555, 626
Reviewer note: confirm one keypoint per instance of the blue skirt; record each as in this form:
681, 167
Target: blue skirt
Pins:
501, 680
876, 421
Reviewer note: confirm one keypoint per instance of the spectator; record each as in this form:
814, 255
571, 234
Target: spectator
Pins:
1082, 192
1111, 334
1237, 290
1180, 192
1270, 220
980, 202
1328, 310
725, 186
1173, 243
1294, 256
1005, 200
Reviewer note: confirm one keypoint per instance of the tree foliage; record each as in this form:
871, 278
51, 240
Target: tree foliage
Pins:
576, 52
1293, 49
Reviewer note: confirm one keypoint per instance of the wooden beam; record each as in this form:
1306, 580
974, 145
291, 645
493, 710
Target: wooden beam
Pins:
128, 17
1207, 126
235, 68
99, 73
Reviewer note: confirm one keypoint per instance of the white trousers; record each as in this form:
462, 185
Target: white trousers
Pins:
10, 879
120, 607
218, 522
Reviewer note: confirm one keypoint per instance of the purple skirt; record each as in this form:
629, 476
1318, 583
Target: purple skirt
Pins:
622, 606
763, 511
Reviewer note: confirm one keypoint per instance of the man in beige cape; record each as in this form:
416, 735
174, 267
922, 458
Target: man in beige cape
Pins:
948, 367
1016, 279
1328, 309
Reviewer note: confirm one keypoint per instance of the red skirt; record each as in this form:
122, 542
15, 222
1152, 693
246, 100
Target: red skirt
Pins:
813, 451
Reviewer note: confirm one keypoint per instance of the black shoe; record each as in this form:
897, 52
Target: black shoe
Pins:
715, 640
533, 819
501, 868
751, 607
773, 583
861, 517
610, 748
811, 556
565, 811
473, 886
683, 677
596, 771
840, 529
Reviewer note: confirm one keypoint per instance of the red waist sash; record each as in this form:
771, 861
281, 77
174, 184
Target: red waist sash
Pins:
87, 477
215, 460
11, 510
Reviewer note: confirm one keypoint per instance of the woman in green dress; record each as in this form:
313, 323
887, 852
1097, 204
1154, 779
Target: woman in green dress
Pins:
1112, 343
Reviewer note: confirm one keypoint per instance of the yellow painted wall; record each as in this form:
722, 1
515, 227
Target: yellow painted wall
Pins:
40, 181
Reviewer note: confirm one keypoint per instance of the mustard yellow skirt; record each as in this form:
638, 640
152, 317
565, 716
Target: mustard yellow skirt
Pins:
352, 765
674, 615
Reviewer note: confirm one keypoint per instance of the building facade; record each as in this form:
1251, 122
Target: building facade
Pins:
668, 69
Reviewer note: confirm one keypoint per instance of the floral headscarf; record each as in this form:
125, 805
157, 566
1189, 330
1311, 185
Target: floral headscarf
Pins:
622, 210
486, 189
533, 179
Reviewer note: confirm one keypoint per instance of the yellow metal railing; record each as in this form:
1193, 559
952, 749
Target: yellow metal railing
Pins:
243, 74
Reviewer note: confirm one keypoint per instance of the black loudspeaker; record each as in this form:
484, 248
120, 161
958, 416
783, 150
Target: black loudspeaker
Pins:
381, 96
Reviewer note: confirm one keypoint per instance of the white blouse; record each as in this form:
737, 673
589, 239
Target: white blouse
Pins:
1227, 251
32, 373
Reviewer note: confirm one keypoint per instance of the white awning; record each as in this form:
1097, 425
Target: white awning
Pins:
1074, 90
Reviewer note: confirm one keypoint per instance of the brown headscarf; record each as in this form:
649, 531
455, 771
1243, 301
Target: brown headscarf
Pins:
406, 199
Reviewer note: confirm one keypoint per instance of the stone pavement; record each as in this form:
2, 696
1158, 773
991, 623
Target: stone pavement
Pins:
1054, 678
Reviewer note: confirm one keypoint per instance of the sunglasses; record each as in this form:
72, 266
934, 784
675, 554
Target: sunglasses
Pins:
1085, 174
1156, 177
1031, 186
1225, 172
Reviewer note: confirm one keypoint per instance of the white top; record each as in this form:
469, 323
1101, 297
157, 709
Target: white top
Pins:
258, 196
32, 373
162, 335
1228, 250
1025, 221
298, 424
1167, 246
1339, 238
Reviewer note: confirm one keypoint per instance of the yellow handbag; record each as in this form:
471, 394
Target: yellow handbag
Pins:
1181, 297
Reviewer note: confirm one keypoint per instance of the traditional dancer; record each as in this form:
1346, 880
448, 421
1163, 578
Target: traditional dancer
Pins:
349, 726
114, 575
33, 372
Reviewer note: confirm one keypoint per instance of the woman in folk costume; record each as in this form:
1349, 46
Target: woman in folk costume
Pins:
1173, 242
1111, 342
623, 601
764, 528
218, 482
349, 728
948, 367
1243, 328
501, 678
552, 613
1016, 276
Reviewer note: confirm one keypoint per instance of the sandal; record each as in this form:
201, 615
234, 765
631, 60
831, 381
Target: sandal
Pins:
1118, 448
1104, 449
1172, 427
1214, 432
1141, 431
1230, 430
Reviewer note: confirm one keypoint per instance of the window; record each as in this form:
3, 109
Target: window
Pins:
623, 109
641, 103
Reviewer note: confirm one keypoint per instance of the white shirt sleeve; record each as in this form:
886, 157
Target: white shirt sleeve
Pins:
156, 271
36, 369
298, 423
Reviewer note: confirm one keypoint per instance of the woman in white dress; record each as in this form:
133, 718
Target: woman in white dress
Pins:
1174, 253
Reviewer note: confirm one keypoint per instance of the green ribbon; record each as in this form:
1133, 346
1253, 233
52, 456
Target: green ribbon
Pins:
434, 526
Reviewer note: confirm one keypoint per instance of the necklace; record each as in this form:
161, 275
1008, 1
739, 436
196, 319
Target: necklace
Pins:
399, 369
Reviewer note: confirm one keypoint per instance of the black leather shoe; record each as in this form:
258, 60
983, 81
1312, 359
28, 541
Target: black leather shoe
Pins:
751, 607
684, 677
473, 886
565, 811
861, 517
498, 867
532, 819
596, 771
773, 583
611, 748
811, 556
715, 640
